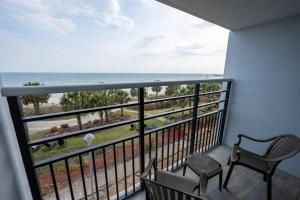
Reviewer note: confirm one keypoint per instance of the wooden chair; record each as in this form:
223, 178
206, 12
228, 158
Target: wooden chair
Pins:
281, 148
167, 185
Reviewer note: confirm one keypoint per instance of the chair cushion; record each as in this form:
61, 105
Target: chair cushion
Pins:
175, 181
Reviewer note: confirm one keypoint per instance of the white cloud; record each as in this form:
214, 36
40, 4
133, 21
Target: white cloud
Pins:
110, 15
57, 15
162, 39
148, 41
33, 5
49, 23
202, 25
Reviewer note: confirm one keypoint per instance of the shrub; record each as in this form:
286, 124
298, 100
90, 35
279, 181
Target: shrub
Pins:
53, 129
64, 126
96, 121
88, 125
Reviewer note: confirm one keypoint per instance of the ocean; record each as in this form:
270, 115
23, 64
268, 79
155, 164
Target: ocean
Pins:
50, 79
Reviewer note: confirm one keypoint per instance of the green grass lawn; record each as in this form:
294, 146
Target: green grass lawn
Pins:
76, 143
132, 113
101, 137
157, 111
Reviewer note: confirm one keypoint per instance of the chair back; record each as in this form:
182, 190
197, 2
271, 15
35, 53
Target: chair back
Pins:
157, 191
283, 147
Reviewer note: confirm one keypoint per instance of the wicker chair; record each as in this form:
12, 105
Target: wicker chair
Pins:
167, 185
281, 148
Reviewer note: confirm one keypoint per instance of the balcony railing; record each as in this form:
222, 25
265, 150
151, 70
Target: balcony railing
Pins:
109, 170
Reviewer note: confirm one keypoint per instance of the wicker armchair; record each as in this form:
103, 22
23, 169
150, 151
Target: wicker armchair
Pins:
281, 148
167, 185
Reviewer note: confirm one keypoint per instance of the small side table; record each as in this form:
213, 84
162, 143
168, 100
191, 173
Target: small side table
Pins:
205, 167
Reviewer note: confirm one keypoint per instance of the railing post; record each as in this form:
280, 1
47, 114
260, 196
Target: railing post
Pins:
228, 87
22, 137
141, 129
194, 118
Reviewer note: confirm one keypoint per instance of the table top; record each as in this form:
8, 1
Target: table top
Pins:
202, 164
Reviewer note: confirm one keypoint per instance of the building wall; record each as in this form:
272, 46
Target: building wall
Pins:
264, 62
13, 181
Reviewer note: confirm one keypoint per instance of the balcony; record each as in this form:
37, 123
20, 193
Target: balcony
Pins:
263, 60
244, 183
108, 170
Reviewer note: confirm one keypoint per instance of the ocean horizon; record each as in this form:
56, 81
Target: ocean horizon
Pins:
50, 79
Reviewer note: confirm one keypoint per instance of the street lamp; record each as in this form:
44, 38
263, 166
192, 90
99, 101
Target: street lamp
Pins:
89, 140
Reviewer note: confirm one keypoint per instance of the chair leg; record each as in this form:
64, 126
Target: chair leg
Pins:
147, 195
220, 180
228, 162
184, 170
228, 175
203, 184
265, 177
269, 185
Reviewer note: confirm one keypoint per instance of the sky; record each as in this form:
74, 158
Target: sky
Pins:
133, 36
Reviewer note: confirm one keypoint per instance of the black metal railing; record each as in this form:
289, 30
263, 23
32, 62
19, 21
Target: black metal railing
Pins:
109, 170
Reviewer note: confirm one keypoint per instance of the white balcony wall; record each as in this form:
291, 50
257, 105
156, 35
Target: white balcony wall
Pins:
264, 62
13, 180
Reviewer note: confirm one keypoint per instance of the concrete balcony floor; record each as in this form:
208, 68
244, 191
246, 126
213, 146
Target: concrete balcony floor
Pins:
244, 183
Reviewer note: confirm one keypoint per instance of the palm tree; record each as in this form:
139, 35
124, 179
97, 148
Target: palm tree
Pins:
133, 92
172, 90
182, 102
121, 97
209, 87
97, 99
157, 90
190, 91
107, 100
35, 100
75, 101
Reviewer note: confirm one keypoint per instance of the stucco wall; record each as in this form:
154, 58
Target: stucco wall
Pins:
264, 62
13, 181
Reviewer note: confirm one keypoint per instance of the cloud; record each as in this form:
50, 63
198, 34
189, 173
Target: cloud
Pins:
49, 23
203, 24
194, 49
148, 41
110, 15
41, 15
60, 15
115, 22
163, 39
183, 51
32, 5
197, 50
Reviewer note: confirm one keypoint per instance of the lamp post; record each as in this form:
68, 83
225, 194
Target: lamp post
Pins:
89, 140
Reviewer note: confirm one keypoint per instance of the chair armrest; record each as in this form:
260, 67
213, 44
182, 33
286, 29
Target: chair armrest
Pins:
240, 136
152, 163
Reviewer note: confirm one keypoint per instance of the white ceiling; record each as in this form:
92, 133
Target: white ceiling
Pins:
237, 14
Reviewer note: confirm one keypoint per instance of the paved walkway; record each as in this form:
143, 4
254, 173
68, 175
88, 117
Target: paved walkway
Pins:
48, 124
